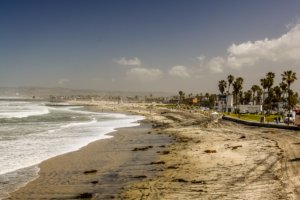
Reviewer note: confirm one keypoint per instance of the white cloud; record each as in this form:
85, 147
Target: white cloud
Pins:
128, 61
63, 81
143, 74
179, 71
201, 58
216, 64
281, 49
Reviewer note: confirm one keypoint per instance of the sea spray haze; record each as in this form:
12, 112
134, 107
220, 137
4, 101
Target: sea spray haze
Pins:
31, 132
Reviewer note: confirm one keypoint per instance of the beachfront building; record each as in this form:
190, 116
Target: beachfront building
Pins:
252, 109
229, 103
220, 104
224, 103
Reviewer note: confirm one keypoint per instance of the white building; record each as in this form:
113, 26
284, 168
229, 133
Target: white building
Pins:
229, 103
250, 108
225, 104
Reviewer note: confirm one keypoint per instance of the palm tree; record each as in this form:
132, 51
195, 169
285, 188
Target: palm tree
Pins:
254, 89
278, 96
181, 96
211, 100
241, 97
259, 93
270, 80
207, 95
230, 80
289, 77
237, 87
264, 84
270, 101
283, 86
222, 86
293, 98
247, 97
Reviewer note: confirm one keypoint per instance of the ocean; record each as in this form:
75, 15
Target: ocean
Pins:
31, 132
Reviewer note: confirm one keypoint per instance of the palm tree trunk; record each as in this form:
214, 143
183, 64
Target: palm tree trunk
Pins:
263, 103
289, 105
226, 103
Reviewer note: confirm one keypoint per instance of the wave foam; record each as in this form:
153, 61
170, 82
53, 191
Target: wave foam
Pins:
21, 109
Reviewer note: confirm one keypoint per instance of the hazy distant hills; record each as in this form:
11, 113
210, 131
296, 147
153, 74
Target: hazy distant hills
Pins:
46, 92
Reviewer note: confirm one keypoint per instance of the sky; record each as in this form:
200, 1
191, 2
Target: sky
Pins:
147, 45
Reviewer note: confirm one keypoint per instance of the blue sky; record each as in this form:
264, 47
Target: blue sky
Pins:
153, 45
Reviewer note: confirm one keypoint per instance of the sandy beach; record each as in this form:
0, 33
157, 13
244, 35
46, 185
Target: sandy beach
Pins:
150, 99
179, 155
99, 170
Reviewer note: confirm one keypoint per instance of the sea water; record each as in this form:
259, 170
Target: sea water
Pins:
31, 132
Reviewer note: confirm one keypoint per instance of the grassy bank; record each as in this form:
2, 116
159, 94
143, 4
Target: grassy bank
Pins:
253, 117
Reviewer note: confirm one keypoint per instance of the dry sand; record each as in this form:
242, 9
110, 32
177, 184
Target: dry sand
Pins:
209, 160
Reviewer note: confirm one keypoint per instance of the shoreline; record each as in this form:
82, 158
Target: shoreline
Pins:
14, 180
90, 165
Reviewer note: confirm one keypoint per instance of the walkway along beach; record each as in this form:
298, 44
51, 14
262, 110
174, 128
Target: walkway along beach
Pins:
266, 125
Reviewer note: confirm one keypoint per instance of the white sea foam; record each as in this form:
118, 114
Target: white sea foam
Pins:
80, 124
39, 146
21, 109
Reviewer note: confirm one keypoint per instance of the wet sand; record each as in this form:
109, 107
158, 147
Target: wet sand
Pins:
208, 160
